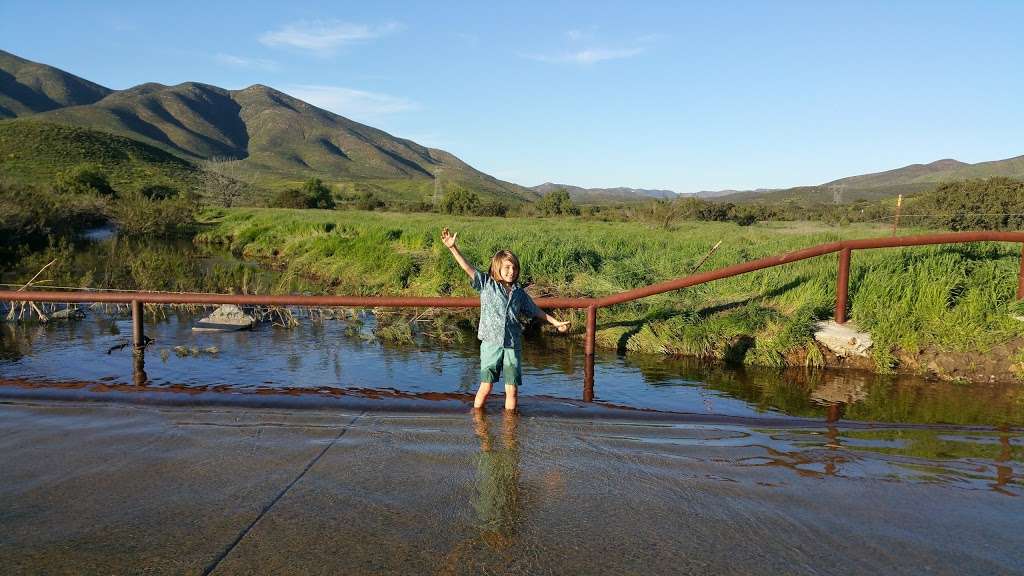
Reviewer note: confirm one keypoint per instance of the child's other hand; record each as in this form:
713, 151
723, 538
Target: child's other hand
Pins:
562, 326
448, 237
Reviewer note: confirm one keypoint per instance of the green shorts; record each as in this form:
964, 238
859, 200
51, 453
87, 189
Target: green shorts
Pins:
494, 358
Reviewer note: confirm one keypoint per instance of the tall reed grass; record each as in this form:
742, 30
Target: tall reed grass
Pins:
949, 297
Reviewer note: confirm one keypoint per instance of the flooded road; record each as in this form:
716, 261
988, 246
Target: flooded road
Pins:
322, 449
104, 488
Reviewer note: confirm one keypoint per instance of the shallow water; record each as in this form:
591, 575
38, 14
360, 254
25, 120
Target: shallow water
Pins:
103, 488
663, 465
343, 355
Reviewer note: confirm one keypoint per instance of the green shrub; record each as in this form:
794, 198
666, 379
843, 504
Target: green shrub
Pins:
290, 198
83, 179
458, 200
136, 215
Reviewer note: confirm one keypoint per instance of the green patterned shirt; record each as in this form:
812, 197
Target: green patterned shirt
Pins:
502, 313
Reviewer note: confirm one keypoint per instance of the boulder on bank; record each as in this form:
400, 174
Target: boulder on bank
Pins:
226, 318
843, 339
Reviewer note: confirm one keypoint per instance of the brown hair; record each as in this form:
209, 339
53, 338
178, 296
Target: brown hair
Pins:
499, 257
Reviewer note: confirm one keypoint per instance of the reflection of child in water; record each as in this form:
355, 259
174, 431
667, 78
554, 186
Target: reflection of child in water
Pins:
497, 499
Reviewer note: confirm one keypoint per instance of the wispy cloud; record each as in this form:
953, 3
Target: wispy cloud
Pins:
351, 103
588, 56
240, 62
577, 35
581, 48
325, 36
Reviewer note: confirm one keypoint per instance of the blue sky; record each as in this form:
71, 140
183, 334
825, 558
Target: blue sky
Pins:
684, 96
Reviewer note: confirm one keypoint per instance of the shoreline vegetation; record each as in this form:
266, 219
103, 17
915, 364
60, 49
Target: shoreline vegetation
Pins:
943, 311
940, 311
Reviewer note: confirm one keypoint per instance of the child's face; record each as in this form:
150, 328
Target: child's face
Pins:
507, 271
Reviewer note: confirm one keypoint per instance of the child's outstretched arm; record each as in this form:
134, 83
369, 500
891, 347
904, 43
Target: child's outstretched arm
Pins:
561, 325
538, 313
449, 240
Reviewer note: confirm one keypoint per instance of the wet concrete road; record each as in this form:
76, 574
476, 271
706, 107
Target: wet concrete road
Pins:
102, 488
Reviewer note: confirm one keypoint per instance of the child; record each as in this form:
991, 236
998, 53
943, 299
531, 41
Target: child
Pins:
502, 300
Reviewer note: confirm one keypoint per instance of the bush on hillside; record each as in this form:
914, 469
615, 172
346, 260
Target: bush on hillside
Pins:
289, 198
367, 200
83, 179
313, 194
458, 200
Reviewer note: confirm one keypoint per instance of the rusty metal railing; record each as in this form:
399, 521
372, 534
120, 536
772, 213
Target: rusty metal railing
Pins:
591, 305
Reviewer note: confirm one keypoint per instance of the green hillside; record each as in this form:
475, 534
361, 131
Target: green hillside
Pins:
33, 152
28, 87
279, 140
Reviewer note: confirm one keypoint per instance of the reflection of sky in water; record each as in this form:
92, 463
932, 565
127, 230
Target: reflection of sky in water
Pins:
332, 354
344, 354
318, 354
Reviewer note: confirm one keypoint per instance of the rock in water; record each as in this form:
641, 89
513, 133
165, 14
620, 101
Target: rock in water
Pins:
68, 314
843, 339
226, 318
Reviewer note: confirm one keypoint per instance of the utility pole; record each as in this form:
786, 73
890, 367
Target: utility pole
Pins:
896, 221
437, 185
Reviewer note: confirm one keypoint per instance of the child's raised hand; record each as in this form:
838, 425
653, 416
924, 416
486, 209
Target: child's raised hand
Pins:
448, 237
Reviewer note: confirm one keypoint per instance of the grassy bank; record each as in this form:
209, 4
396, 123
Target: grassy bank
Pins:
954, 298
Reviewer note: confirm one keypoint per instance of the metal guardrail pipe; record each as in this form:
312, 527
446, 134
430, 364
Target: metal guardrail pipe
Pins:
126, 297
845, 247
734, 270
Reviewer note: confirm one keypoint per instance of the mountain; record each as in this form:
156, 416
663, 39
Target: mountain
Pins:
270, 137
706, 194
28, 87
604, 195
907, 180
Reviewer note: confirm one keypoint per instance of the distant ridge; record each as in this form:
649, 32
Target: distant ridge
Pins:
604, 195
911, 179
28, 87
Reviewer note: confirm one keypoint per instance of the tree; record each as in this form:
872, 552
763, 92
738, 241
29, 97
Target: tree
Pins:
318, 194
556, 203
222, 180
458, 200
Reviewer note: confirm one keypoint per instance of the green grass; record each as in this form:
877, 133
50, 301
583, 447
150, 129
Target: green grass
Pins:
33, 152
951, 297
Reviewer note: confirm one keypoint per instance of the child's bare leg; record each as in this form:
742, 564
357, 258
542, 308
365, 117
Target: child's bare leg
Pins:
511, 395
481, 395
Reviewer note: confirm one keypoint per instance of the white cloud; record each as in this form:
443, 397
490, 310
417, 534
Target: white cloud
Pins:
240, 62
355, 104
578, 53
319, 36
589, 55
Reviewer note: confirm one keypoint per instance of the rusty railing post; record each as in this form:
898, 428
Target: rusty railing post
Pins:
138, 337
588, 342
842, 285
588, 379
588, 354
1020, 275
